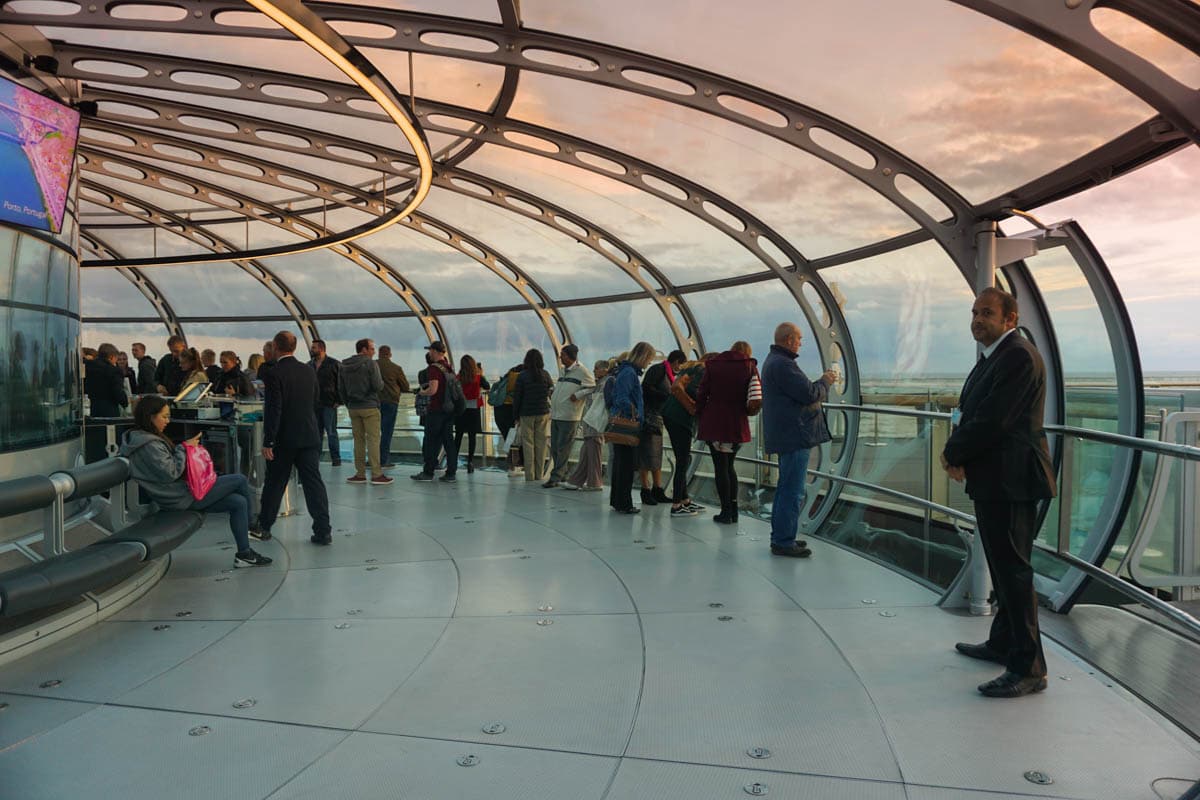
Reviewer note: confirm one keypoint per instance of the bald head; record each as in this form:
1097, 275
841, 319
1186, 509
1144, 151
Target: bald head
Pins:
785, 332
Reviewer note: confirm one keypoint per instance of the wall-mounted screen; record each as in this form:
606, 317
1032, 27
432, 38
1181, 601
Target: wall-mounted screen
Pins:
37, 154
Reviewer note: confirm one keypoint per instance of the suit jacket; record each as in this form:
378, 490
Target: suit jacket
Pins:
1000, 439
290, 407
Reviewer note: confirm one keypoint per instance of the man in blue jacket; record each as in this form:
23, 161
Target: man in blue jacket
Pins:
793, 424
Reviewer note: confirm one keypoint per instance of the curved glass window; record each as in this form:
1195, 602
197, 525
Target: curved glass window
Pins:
328, 283
405, 336
496, 340
605, 331
819, 208
214, 290
108, 293
945, 89
772, 304
243, 338
563, 267
39, 360
686, 248
124, 334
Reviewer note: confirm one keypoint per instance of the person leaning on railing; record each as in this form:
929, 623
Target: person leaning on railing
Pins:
158, 466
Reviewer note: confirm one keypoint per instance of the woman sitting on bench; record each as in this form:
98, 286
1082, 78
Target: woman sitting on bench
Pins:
158, 464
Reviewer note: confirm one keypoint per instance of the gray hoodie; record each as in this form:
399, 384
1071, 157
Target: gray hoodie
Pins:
158, 468
359, 382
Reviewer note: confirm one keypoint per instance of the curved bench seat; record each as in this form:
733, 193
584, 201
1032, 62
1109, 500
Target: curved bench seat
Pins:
56, 580
159, 534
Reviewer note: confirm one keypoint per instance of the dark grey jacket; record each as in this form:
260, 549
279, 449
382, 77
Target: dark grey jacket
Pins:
359, 382
158, 468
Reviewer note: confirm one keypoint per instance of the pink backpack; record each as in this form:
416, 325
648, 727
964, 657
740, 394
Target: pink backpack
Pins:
200, 473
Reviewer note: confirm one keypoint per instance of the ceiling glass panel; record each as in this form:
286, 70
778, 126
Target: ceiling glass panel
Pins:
981, 104
909, 314
446, 277
146, 241
331, 284
772, 304
123, 335
606, 331
1144, 225
243, 338
686, 248
217, 290
819, 208
563, 267
405, 336
483, 10
108, 293
496, 340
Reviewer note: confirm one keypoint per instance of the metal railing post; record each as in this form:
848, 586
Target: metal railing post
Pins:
1067, 477
54, 536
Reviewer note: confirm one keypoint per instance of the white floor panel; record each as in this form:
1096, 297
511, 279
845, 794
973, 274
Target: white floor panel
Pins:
1093, 741
569, 581
26, 717
236, 595
427, 589
384, 545
107, 660
303, 671
493, 536
690, 577
831, 577
717, 688
130, 754
941, 793
376, 767
649, 780
570, 686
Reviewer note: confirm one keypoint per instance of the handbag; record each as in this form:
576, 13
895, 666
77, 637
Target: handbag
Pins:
200, 473
622, 430
753, 396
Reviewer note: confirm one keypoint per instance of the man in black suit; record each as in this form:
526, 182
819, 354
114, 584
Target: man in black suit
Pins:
999, 447
104, 384
291, 438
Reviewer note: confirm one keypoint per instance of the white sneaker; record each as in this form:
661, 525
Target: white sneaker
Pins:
568, 486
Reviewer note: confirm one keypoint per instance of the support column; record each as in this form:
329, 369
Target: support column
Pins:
979, 587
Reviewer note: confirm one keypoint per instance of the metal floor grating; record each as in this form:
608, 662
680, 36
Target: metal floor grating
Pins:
496, 639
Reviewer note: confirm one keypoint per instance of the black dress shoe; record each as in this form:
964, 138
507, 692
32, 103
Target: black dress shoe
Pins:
724, 519
660, 496
982, 652
322, 540
795, 551
648, 498
1010, 684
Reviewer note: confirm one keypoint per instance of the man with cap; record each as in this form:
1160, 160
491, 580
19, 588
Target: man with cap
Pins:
575, 383
439, 419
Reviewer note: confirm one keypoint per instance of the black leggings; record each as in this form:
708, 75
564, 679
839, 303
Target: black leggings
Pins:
725, 475
681, 446
621, 496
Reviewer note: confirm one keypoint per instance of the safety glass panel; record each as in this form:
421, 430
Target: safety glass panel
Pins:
937, 80
108, 293
496, 341
564, 268
446, 277
328, 283
40, 363
605, 331
215, 290
819, 208
909, 314
405, 335
685, 247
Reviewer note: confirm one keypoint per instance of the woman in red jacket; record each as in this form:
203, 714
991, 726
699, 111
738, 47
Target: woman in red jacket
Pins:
724, 422
475, 388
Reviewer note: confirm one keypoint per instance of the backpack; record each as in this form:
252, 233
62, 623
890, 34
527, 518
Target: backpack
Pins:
499, 392
454, 397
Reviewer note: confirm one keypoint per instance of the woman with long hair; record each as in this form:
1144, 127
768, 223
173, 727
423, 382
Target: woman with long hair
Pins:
470, 422
531, 410
191, 368
721, 406
679, 419
158, 465
627, 402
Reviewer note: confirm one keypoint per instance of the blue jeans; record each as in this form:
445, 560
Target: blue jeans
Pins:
230, 494
387, 424
789, 497
327, 424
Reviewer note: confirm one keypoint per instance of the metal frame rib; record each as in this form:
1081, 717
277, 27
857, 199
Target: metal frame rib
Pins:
152, 293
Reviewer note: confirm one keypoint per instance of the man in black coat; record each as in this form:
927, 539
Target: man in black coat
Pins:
328, 371
146, 366
291, 438
104, 384
999, 447
168, 377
